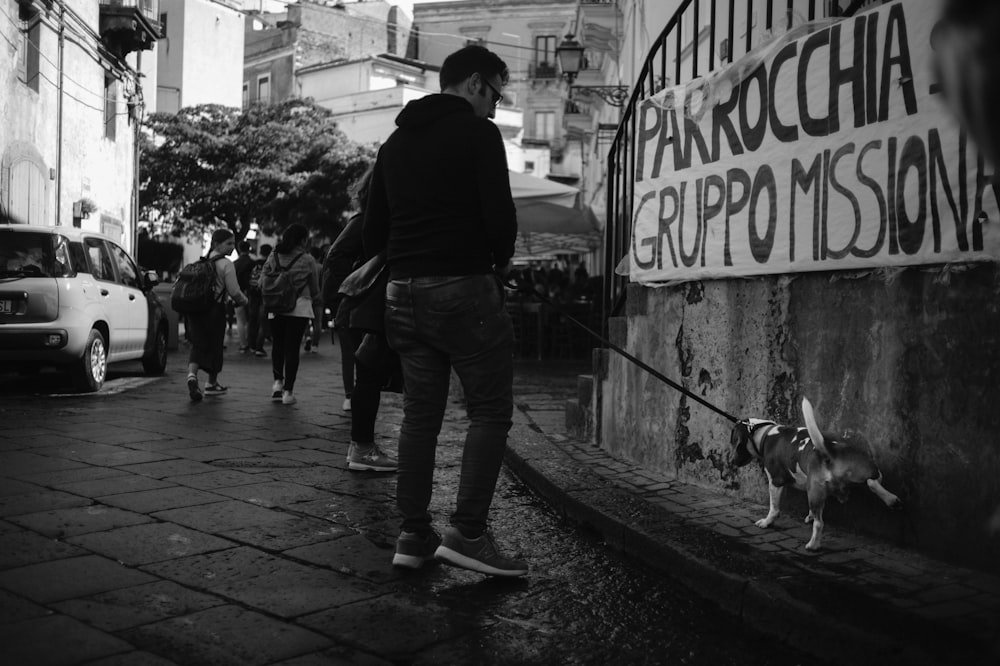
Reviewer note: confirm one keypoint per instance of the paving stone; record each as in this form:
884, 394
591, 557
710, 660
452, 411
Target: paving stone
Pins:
276, 493
94, 453
14, 609
124, 482
22, 547
43, 500
140, 604
218, 568
222, 516
289, 534
134, 658
63, 523
349, 510
261, 445
295, 591
367, 556
208, 453
20, 463
225, 636
153, 542
163, 469
215, 479
14, 487
336, 656
415, 625
70, 578
59, 479
313, 456
56, 640
148, 501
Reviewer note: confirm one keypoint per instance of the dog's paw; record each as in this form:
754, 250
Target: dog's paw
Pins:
763, 522
809, 518
813, 546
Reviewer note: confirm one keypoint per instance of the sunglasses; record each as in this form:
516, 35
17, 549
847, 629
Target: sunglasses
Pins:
498, 96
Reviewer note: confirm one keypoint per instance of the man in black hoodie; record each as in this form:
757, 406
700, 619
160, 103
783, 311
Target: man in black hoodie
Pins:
440, 205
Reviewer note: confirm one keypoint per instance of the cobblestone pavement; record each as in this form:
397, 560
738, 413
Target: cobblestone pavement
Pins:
220, 532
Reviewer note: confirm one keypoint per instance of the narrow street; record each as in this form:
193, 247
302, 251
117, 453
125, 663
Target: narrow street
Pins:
143, 529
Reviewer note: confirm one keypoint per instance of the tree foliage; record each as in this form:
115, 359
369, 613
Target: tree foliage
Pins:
270, 164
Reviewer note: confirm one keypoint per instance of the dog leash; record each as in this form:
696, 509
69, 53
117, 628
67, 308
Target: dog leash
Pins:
526, 289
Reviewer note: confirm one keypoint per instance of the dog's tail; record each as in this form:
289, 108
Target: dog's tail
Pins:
814, 434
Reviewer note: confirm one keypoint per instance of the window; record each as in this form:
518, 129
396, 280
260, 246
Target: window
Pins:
30, 56
110, 106
545, 51
127, 273
545, 124
246, 94
264, 89
163, 25
99, 260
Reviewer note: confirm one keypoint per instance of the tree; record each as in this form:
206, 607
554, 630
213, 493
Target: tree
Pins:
270, 164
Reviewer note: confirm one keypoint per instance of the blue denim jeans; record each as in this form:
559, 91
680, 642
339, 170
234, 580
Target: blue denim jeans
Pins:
436, 324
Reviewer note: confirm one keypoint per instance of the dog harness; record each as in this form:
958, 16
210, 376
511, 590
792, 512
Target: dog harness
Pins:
753, 425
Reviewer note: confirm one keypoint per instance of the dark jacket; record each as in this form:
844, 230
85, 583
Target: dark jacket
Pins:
346, 254
440, 201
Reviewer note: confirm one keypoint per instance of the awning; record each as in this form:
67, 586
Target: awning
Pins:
544, 206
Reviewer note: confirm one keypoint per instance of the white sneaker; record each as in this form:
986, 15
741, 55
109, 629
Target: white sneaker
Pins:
276, 388
287, 398
347, 405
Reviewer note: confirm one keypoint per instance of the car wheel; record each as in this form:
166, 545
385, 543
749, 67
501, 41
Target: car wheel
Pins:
155, 362
89, 373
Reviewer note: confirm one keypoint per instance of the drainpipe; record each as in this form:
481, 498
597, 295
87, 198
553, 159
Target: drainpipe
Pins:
59, 114
134, 230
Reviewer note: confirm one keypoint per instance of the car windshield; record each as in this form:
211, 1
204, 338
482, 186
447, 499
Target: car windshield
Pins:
29, 254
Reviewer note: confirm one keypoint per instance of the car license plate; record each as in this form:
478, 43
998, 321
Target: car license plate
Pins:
6, 307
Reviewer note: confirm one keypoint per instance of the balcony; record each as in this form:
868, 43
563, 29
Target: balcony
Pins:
577, 117
542, 70
129, 25
599, 25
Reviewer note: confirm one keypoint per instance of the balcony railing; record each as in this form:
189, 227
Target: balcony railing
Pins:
673, 60
542, 70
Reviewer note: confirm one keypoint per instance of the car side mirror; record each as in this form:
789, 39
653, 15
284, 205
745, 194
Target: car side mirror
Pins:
151, 279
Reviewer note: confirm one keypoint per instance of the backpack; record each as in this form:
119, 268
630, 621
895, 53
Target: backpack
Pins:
194, 290
277, 288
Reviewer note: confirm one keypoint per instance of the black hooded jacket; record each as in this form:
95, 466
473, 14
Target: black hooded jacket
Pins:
440, 199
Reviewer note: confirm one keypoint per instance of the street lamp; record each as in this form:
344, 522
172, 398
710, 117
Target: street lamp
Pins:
569, 53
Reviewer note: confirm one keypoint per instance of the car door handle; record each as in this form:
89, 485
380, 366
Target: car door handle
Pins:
104, 292
131, 297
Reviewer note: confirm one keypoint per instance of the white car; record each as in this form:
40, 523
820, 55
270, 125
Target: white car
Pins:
75, 299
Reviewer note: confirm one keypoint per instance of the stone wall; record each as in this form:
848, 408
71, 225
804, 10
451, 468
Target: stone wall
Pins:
907, 359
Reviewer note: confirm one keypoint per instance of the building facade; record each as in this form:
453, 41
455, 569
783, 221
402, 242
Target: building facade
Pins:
72, 99
199, 54
278, 45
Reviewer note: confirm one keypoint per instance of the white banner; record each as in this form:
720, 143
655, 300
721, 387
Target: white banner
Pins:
831, 149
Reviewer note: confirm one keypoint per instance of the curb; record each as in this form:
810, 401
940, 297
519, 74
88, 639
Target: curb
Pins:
812, 612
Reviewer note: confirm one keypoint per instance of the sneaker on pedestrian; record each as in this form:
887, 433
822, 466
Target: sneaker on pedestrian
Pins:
479, 554
413, 549
287, 398
309, 345
347, 405
215, 389
259, 352
369, 458
244, 350
194, 391
276, 388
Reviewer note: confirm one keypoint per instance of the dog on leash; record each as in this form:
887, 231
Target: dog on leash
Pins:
809, 460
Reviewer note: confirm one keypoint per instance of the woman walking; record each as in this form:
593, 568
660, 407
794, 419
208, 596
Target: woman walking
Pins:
207, 331
287, 328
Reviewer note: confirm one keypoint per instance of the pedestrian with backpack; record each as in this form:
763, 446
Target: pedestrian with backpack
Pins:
289, 289
206, 329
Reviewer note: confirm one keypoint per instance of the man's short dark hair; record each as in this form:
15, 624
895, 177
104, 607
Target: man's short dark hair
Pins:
470, 60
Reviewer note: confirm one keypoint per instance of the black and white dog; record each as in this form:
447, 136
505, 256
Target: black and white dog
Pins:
809, 460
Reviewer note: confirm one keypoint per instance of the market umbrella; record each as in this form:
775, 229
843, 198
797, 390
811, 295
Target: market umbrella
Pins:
548, 219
